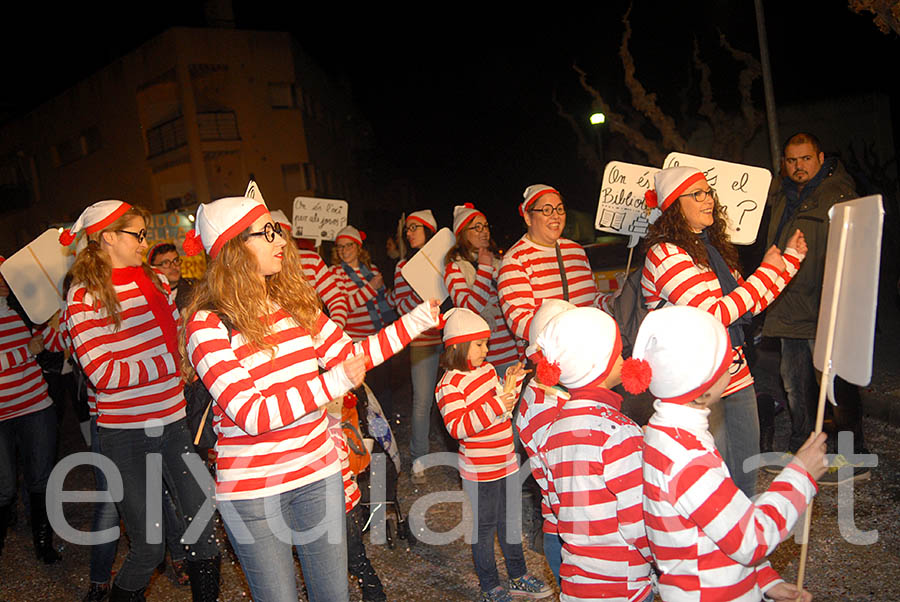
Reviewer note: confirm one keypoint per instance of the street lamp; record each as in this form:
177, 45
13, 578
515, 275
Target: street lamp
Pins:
598, 119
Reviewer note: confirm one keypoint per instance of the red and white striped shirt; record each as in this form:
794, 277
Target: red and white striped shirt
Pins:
404, 299
23, 389
708, 539
478, 293
320, 278
359, 322
352, 494
536, 413
592, 459
132, 369
268, 415
530, 273
473, 414
671, 274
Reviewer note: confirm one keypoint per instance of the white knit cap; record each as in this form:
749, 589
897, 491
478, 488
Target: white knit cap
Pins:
680, 351
423, 217
95, 218
352, 234
461, 325
549, 309
220, 221
279, 217
579, 346
669, 184
533, 193
462, 215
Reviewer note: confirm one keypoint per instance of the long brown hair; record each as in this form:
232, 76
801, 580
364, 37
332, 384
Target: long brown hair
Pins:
671, 227
93, 270
232, 288
465, 251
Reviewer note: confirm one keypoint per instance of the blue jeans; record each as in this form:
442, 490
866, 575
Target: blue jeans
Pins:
262, 531
799, 377
734, 423
35, 436
130, 450
553, 553
488, 501
423, 368
105, 516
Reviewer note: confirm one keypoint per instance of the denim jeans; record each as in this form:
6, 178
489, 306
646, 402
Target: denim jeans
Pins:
423, 368
35, 436
488, 501
105, 516
553, 553
802, 388
734, 423
130, 450
262, 530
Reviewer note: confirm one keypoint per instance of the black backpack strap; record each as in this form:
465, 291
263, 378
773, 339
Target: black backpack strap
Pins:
562, 273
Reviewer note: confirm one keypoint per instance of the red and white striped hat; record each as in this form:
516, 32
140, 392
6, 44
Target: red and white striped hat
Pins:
351, 234
533, 193
462, 215
279, 217
680, 352
670, 183
220, 221
580, 346
424, 217
461, 325
94, 219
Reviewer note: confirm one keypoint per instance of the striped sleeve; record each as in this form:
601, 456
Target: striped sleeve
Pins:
474, 298
357, 296
94, 339
466, 418
516, 295
745, 531
321, 279
235, 389
403, 297
623, 473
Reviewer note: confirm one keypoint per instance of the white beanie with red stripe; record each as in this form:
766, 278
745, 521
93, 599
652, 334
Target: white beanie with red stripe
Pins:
462, 215
220, 221
94, 219
679, 352
352, 234
669, 184
549, 309
579, 346
423, 217
461, 325
533, 193
279, 217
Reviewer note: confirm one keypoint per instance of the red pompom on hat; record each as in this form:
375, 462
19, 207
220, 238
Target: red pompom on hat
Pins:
533, 193
671, 183
461, 325
94, 219
352, 234
584, 343
423, 217
685, 351
462, 215
192, 244
547, 372
220, 221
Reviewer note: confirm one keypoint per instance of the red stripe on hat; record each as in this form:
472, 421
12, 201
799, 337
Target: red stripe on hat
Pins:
416, 218
472, 336
237, 228
122, 210
681, 188
348, 237
467, 220
695, 393
524, 206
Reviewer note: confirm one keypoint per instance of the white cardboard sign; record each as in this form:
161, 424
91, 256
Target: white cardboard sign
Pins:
742, 189
621, 208
854, 290
425, 271
320, 219
35, 274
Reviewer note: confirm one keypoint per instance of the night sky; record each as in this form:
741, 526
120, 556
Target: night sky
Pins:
459, 97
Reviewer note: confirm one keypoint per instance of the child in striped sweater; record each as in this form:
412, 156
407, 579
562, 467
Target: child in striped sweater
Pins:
476, 411
708, 539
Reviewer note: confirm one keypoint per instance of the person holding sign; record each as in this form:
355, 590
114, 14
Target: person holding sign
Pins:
362, 284
543, 265
471, 278
124, 332
690, 261
424, 351
257, 338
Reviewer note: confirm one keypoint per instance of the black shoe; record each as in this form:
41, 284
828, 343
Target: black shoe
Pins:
204, 575
117, 594
372, 590
41, 531
98, 592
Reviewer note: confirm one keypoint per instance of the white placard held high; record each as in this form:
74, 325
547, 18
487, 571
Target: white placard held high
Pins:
621, 208
319, 219
742, 190
35, 274
425, 271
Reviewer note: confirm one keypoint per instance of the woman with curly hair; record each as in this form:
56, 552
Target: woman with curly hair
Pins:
690, 261
256, 336
123, 327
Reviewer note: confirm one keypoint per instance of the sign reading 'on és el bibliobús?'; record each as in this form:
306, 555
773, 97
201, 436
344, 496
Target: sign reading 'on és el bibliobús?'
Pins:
319, 219
621, 208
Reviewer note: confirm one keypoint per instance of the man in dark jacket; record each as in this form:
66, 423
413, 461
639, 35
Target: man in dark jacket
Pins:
810, 186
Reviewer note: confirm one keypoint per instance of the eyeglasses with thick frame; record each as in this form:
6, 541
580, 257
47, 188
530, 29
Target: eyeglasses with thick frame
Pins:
346, 245
548, 209
701, 195
479, 227
140, 236
269, 231
167, 263
412, 228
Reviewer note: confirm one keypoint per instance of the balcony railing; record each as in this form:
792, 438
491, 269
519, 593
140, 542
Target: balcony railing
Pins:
213, 125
